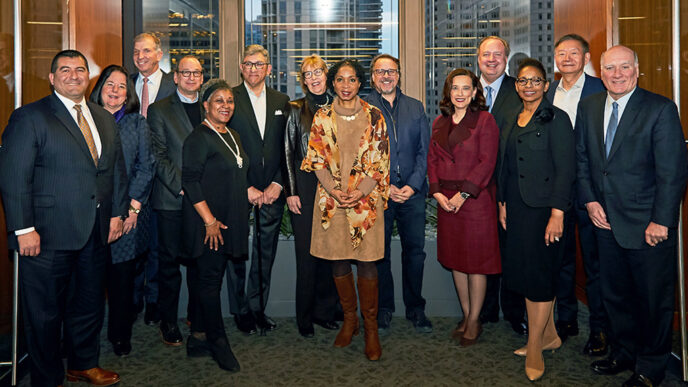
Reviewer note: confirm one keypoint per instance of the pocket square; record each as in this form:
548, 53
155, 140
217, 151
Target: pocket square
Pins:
278, 113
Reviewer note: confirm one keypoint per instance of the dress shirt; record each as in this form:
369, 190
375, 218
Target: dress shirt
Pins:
495, 87
154, 81
623, 101
69, 105
567, 100
260, 107
186, 99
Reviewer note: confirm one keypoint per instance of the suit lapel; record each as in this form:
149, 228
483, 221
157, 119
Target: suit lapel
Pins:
244, 103
626, 121
180, 111
61, 113
598, 124
104, 134
270, 109
506, 88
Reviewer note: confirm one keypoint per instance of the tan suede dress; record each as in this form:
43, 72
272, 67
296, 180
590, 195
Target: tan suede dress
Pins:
335, 242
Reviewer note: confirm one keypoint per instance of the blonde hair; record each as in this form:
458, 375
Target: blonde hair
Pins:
314, 61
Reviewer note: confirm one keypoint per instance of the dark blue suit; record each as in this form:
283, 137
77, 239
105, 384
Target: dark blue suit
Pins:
49, 181
567, 304
409, 135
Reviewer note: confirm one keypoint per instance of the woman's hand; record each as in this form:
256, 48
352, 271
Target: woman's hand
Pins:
294, 204
443, 202
213, 236
130, 222
353, 198
502, 215
555, 226
457, 201
339, 196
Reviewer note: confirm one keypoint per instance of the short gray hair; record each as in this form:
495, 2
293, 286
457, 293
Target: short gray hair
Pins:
256, 49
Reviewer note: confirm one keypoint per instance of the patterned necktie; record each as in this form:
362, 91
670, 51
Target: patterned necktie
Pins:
611, 128
86, 131
488, 98
144, 98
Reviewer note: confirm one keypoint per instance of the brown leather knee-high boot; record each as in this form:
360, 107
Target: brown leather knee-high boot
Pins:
368, 296
347, 297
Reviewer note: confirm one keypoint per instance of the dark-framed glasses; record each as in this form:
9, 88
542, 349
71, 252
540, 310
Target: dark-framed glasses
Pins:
188, 73
257, 65
533, 81
382, 72
310, 74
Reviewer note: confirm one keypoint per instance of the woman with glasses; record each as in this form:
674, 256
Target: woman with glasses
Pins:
348, 149
115, 92
536, 174
461, 161
214, 210
316, 296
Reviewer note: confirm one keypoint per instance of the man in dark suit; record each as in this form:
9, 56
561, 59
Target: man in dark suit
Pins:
260, 119
571, 55
156, 85
64, 188
171, 120
500, 94
632, 169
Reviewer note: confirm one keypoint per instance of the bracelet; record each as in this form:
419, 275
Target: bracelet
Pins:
211, 223
134, 209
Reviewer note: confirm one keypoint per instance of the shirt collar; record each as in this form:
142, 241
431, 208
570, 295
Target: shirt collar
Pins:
494, 85
578, 85
250, 91
69, 104
621, 101
153, 78
186, 99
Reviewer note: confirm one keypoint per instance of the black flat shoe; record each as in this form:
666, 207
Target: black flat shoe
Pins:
196, 347
264, 322
152, 316
610, 366
245, 323
327, 324
638, 380
566, 329
520, 327
121, 348
223, 355
307, 332
596, 345
170, 334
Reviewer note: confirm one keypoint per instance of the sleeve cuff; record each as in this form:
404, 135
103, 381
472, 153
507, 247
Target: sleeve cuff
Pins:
434, 187
470, 188
24, 231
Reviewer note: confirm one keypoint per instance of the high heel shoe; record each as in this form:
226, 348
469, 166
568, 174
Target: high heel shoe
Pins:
553, 346
457, 332
535, 372
467, 342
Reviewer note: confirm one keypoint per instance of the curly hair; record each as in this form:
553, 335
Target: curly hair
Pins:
532, 62
478, 103
131, 101
353, 63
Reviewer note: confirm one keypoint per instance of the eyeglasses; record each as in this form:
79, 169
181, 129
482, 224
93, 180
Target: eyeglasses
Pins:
533, 81
381, 72
188, 73
257, 65
316, 72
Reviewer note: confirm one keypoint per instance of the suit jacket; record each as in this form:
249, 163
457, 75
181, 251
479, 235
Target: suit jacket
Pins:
591, 86
507, 103
167, 85
265, 153
546, 159
169, 126
643, 178
48, 179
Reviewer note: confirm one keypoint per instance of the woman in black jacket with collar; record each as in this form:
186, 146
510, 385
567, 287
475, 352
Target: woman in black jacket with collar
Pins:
536, 174
316, 296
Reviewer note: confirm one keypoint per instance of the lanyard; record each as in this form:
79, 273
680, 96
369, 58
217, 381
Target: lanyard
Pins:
239, 160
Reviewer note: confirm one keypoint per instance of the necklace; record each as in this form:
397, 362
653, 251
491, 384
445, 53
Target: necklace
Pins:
349, 118
327, 102
239, 159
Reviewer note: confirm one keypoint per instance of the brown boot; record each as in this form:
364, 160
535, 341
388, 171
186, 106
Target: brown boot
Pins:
367, 294
347, 297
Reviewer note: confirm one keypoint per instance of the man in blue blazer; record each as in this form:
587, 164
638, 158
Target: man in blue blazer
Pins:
571, 55
632, 170
64, 187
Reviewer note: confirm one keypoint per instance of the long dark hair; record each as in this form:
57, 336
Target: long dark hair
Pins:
478, 103
131, 104
353, 63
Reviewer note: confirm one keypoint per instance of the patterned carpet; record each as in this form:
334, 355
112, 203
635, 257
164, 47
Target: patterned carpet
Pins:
284, 358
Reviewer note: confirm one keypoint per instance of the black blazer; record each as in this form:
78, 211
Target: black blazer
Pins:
546, 159
507, 103
167, 85
297, 133
169, 126
265, 153
48, 179
643, 178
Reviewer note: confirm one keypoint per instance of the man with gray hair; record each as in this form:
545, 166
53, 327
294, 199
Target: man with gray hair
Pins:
260, 118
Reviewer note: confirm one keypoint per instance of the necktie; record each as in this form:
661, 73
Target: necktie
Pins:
611, 128
488, 98
86, 131
144, 98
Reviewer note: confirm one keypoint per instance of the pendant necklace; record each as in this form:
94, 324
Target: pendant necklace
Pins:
239, 159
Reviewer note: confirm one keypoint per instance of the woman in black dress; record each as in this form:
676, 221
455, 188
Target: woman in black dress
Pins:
215, 208
536, 174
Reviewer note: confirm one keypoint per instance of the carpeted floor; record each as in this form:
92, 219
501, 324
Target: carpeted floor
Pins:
284, 358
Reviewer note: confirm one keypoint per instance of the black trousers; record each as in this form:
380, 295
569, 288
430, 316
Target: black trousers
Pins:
316, 295
513, 304
638, 293
169, 273
120, 289
63, 291
211, 267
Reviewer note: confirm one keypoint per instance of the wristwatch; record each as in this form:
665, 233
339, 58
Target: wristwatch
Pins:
133, 209
465, 195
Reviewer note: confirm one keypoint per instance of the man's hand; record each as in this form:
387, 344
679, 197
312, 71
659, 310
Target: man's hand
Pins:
294, 204
394, 193
116, 226
271, 193
597, 215
29, 244
130, 222
656, 233
502, 214
255, 196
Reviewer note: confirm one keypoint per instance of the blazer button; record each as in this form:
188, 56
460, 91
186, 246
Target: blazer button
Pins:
520, 159
605, 173
521, 176
546, 178
520, 141
537, 134
93, 196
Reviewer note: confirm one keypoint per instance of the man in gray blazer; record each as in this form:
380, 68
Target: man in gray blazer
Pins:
64, 187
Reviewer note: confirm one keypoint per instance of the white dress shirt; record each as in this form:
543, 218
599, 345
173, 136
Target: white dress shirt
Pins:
494, 86
623, 101
154, 81
260, 107
567, 100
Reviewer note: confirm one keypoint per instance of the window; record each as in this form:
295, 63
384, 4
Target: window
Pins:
336, 30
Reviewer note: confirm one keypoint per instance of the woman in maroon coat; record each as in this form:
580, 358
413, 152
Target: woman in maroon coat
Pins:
461, 161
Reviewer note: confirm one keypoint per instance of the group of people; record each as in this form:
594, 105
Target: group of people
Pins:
160, 170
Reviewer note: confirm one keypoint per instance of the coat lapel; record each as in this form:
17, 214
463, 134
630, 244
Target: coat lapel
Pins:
179, 110
61, 113
626, 121
506, 87
244, 104
270, 110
